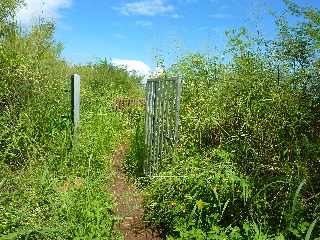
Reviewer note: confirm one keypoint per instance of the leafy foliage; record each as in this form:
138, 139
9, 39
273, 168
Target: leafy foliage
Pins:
247, 165
51, 186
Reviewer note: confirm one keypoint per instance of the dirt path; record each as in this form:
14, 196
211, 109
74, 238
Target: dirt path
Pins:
129, 203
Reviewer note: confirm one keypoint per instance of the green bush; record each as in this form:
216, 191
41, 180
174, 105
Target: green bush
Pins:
52, 187
248, 123
198, 191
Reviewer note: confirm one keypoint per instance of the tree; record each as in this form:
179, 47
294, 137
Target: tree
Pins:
7, 12
8, 9
303, 41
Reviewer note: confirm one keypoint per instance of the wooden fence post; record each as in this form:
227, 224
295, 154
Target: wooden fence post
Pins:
75, 101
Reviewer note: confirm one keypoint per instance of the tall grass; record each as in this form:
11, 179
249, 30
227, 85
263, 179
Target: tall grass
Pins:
247, 164
51, 188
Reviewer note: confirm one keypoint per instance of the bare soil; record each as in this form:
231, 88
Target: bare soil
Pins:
128, 203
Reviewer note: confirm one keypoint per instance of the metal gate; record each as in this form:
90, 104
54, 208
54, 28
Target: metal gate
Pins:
161, 120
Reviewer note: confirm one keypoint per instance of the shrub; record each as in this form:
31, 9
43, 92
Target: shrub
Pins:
51, 187
251, 123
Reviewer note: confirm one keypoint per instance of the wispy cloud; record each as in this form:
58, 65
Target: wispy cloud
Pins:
144, 23
146, 8
41, 9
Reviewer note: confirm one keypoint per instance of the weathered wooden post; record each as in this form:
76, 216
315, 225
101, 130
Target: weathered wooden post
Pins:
75, 102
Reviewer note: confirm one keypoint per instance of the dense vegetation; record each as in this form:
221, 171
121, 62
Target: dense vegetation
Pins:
247, 165
50, 186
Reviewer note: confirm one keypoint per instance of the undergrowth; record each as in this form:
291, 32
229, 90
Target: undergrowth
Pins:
54, 185
247, 163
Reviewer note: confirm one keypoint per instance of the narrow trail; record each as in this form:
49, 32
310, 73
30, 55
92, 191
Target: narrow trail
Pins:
128, 203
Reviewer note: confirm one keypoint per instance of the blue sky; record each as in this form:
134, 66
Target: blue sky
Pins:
135, 31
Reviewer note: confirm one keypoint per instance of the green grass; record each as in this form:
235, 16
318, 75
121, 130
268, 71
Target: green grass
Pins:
246, 167
64, 193
247, 163
51, 185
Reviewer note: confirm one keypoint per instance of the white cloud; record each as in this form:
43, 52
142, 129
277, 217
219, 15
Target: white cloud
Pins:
139, 67
33, 10
146, 8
